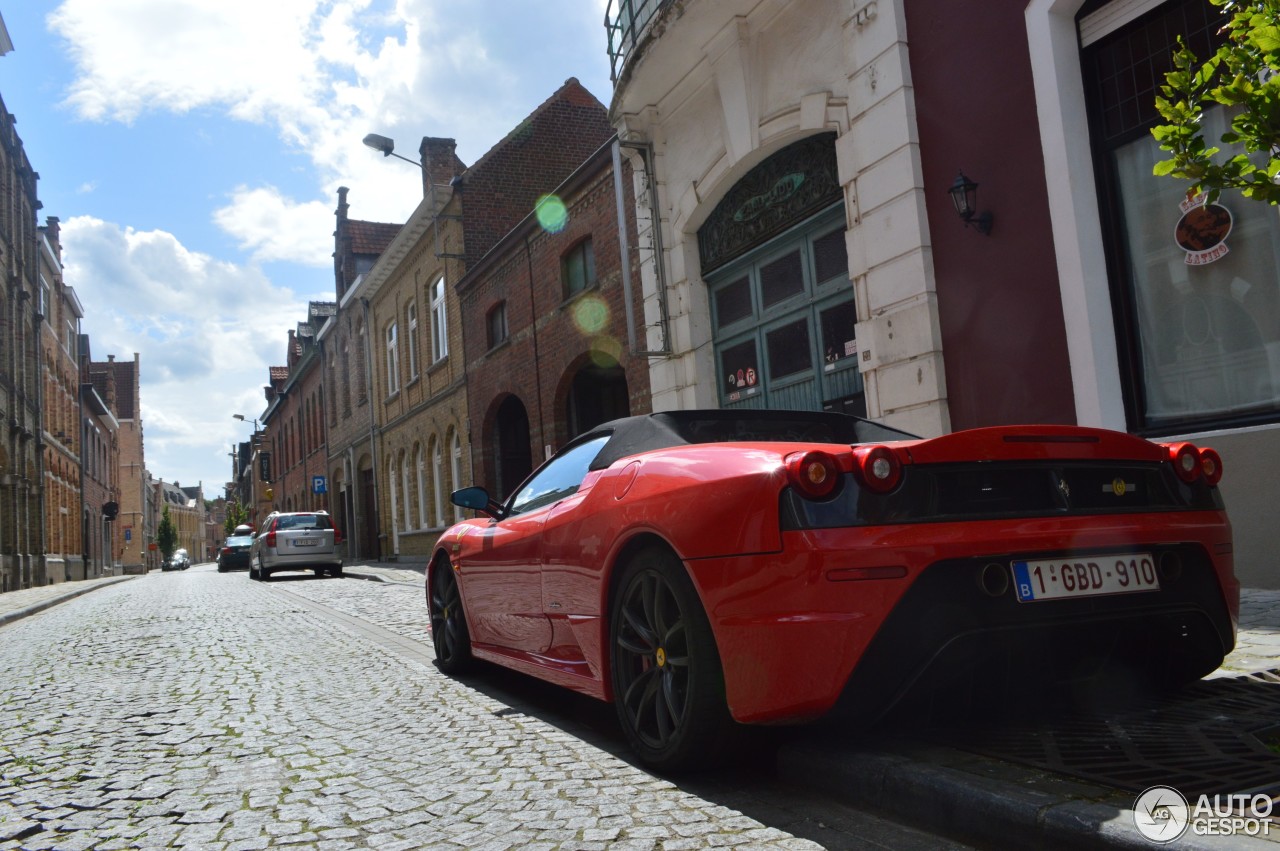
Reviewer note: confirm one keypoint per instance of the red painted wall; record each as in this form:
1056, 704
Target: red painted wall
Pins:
1004, 342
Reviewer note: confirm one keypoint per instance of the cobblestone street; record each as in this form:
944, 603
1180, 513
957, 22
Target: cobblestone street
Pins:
213, 712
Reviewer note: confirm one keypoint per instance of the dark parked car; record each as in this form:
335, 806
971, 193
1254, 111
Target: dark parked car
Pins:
177, 561
234, 553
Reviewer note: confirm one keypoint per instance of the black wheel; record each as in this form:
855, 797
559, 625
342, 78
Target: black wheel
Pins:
449, 631
668, 686
336, 571
253, 571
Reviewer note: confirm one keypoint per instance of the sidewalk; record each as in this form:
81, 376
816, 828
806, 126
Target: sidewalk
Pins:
998, 794
19, 604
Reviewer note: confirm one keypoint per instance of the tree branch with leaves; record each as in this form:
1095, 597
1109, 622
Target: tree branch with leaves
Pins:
1244, 77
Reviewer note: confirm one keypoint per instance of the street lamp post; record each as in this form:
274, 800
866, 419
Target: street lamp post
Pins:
387, 147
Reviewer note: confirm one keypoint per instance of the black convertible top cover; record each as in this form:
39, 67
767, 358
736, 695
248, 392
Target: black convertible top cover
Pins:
631, 435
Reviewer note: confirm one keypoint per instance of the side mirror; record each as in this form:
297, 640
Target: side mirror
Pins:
477, 499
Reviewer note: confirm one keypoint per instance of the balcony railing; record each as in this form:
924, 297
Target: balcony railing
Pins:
624, 23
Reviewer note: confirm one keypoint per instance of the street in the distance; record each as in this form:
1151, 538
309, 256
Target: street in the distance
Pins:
208, 711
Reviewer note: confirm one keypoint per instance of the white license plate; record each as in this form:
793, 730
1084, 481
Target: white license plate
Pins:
1084, 576
305, 542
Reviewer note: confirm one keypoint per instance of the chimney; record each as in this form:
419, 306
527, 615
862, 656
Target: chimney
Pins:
440, 164
341, 212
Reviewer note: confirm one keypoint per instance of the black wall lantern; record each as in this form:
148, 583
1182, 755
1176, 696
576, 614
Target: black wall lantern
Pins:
964, 195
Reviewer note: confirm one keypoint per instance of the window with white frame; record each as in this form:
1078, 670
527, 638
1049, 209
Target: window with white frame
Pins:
404, 488
412, 330
393, 360
420, 467
395, 500
439, 323
437, 475
455, 469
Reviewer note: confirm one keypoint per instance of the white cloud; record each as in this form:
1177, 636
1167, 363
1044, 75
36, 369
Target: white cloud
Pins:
326, 72
322, 74
206, 332
276, 228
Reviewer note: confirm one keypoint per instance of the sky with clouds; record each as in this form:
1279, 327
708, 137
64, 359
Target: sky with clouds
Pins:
192, 151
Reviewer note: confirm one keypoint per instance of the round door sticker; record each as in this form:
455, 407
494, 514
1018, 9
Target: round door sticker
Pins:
1202, 231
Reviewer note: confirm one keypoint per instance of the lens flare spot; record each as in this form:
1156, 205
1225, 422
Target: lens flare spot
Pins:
552, 214
606, 352
591, 315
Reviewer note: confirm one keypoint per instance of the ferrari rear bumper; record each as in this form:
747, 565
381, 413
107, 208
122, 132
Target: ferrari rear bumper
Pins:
861, 616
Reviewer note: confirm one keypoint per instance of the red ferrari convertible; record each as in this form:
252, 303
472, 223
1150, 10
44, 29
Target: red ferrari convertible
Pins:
698, 568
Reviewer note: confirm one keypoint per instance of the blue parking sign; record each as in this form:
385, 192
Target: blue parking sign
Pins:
318, 484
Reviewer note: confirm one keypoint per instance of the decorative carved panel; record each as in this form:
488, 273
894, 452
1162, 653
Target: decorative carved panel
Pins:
785, 189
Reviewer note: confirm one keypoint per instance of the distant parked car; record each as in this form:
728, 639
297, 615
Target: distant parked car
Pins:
234, 553
182, 556
296, 540
175, 562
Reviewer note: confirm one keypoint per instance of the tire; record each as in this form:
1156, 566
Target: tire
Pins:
449, 633
668, 684
336, 572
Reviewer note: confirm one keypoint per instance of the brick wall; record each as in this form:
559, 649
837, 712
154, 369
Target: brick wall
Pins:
551, 337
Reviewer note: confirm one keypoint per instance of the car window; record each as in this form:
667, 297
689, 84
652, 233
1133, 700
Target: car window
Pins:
240, 541
303, 521
559, 478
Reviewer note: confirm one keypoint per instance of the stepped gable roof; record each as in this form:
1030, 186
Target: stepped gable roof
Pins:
123, 372
503, 186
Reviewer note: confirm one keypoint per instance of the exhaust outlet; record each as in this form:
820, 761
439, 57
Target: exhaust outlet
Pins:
993, 579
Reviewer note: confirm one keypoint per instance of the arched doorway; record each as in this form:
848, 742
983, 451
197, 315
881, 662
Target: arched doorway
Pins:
598, 394
783, 312
513, 457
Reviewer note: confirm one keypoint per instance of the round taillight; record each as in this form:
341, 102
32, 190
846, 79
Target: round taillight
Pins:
1211, 466
878, 468
1185, 460
815, 474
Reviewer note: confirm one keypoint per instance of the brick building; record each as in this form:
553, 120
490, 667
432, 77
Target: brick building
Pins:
294, 419
135, 523
545, 325
100, 464
417, 365
21, 485
421, 356
186, 513
345, 358
60, 312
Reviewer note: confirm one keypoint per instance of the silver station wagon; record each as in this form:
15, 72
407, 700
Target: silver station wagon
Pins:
297, 540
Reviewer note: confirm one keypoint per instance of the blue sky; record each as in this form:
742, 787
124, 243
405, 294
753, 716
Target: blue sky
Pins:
192, 151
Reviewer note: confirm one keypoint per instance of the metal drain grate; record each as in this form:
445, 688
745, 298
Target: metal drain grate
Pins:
1216, 737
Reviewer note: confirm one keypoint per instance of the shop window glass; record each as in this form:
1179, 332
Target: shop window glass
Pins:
788, 349
733, 302
781, 279
830, 258
838, 340
1205, 291
739, 365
